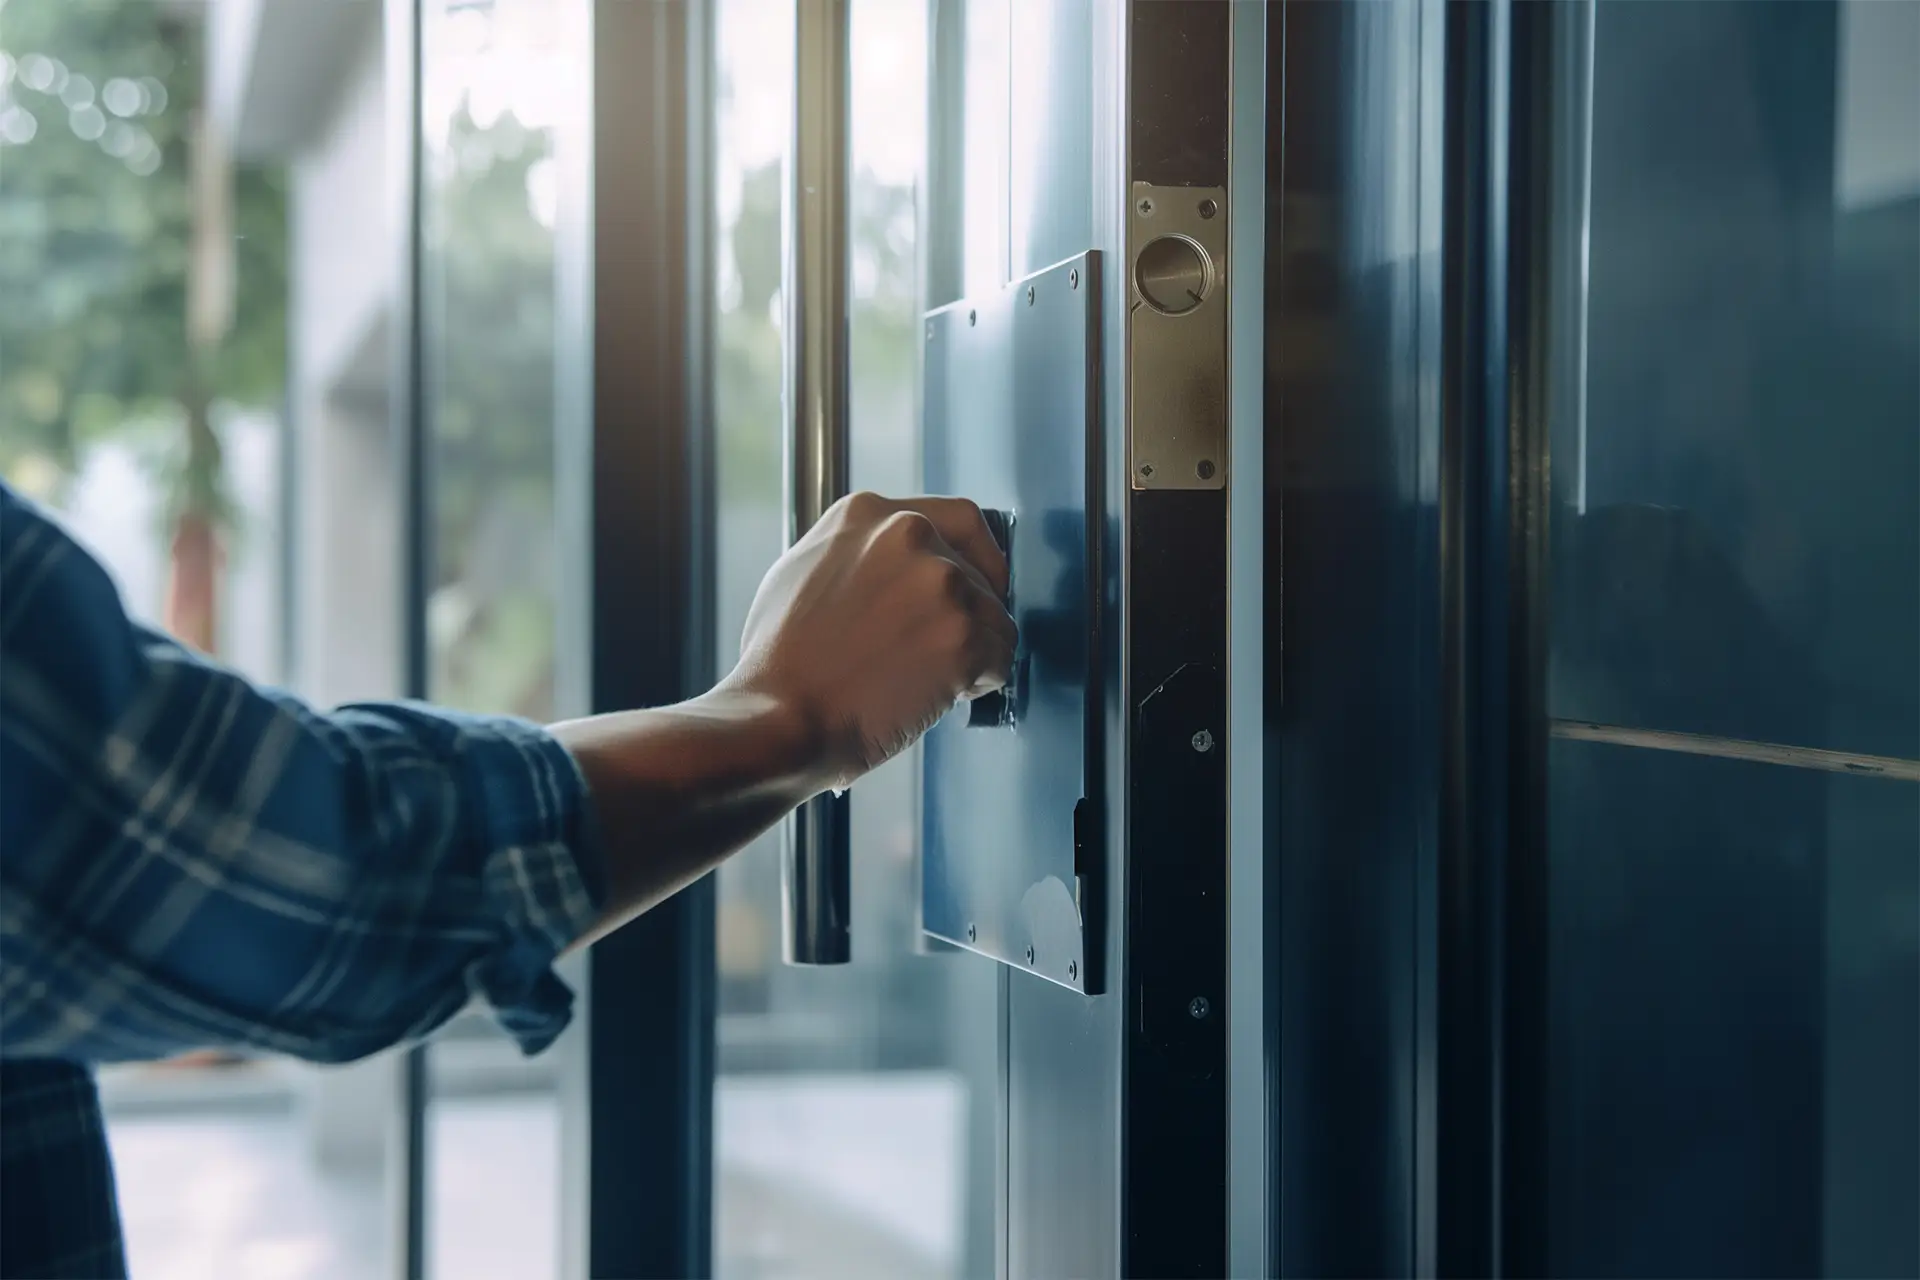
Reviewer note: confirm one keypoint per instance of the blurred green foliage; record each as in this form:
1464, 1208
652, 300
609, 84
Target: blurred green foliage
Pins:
95, 226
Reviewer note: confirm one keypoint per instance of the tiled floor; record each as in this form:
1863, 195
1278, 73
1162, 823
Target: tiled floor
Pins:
234, 1195
848, 1177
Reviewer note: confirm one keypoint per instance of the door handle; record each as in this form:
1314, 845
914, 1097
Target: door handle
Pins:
816, 866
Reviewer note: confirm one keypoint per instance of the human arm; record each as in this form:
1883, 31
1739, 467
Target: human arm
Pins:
188, 860
859, 640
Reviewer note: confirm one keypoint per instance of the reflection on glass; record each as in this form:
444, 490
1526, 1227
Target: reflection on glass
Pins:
1735, 967
847, 1106
497, 89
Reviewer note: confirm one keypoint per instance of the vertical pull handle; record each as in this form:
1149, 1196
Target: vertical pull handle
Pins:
815, 873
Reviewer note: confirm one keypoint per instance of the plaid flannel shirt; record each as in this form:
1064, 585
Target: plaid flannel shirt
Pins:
189, 861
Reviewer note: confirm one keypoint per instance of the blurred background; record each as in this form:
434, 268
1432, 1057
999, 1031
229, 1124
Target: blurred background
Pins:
201, 238
206, 301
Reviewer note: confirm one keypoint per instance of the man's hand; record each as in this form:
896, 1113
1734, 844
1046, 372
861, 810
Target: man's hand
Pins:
874, 624
863, 635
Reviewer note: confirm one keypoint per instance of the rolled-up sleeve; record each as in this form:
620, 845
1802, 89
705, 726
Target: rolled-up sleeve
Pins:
188, 860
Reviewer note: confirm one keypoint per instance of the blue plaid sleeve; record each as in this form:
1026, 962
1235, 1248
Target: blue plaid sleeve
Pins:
191, 861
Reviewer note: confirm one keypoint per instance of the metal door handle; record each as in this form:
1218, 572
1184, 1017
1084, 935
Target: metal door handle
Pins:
816, 869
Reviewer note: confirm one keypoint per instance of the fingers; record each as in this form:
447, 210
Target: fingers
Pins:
921, 536
948, 541
962, 527
986, 610
993, 658
991, 637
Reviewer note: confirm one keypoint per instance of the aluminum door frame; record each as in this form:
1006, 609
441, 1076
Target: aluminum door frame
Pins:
637, 1102
633, 471
1254, 606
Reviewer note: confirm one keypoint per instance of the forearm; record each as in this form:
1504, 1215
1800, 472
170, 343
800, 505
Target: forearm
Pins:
189, 860
678, 789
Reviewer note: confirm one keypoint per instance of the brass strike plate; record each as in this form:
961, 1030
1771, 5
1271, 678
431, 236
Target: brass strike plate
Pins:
1177, 337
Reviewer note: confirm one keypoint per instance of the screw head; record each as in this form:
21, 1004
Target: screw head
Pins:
1203, 741
1146, 470
1073, 278
1029, 955
1073, 969
1208, 208
1199, 1008
972, 934
1146, 207
1205, 469
973, 318
1029, 295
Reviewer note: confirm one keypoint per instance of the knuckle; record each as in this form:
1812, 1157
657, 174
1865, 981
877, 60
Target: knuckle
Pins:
943, 580
911, 530
954, 582
964, 513
864, 507
956, 636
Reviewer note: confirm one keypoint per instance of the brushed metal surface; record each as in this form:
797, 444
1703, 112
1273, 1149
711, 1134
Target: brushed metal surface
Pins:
815, 862
1011, 422
1177, 354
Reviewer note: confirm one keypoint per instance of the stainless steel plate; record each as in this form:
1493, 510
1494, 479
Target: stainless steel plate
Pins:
1012, 422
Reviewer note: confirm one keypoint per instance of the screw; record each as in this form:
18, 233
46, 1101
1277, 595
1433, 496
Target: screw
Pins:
1029, 955
1073, 969
1199, 1007
1146, 470
1073, 278
973, 317
1208, 208
1203, 741
1029, 295
1146, 208
1204, 470
972, 933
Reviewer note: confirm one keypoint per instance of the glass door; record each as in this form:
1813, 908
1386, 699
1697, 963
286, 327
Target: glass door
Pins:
1593, 804
1733, 798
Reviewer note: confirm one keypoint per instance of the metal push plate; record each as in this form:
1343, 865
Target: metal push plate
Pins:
1012, 422
1177, 337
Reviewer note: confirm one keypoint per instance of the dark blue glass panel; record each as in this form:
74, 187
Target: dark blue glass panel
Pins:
1735, 947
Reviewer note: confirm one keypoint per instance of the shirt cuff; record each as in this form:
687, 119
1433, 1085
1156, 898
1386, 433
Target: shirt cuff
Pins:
541, 876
